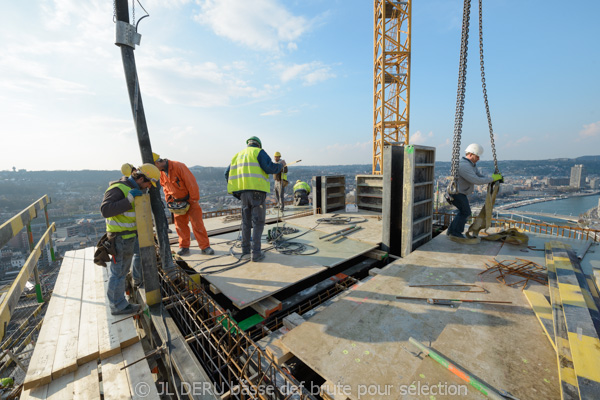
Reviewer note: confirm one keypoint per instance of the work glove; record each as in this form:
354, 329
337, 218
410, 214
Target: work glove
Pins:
498, 178
133, 193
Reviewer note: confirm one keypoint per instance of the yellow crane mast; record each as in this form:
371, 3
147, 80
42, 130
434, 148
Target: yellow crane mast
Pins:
391, 73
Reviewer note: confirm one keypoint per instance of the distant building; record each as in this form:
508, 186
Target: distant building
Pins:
558, 181
595, 183
577, 176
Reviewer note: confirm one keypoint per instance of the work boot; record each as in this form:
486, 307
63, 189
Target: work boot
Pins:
183, 251
208, 251
130, 309
245, 256
258, 257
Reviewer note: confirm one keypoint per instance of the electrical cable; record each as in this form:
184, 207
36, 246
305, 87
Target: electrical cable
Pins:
145, 16
341, 220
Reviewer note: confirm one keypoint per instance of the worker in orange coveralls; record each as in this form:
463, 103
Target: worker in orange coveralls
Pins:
182, 196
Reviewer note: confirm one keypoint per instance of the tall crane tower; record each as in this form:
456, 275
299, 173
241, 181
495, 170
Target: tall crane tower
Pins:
391, 73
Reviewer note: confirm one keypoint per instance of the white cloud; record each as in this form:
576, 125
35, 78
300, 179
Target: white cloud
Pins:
517, 143
309, 73
419, 138
270, 113
258, 24
590, 130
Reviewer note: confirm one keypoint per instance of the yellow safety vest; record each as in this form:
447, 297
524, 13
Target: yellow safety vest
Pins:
123, 222
302, 185
245, 172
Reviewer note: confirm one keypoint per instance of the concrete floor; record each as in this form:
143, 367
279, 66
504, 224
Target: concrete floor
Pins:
362, 337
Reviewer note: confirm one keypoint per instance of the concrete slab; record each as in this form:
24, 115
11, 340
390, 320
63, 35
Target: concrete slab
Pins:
251, 282
370, 232
362, 337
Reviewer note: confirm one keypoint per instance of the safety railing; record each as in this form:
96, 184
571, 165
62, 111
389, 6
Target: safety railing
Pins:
10, 229
572, 232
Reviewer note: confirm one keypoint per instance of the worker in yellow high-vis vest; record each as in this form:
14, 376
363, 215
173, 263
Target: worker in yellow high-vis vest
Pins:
119, 210
280, 181
248, 180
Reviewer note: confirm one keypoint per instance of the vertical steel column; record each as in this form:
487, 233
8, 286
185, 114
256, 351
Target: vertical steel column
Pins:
139, 118
48, 226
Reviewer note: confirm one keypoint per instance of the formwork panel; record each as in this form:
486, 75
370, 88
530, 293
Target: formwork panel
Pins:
369, 192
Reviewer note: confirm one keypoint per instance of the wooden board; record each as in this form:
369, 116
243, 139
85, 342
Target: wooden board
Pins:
115, 384
65, 359
87, 384
87, 347
582, 334
39, 371
543, 311
566, 369
112, 335
139, 375
362, 337
61, 388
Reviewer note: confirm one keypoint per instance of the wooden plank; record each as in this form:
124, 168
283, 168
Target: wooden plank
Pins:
40, 366
141, 382
61, 388
566, 370
278, 351
65, 359
112, 335
108, 338
38, 393
115, 384
583, 337
87, 347
87, 384
293, 320
543, 312
267, 306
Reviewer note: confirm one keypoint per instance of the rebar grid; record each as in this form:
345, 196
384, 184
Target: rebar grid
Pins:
526, 269
232, 360
276, 320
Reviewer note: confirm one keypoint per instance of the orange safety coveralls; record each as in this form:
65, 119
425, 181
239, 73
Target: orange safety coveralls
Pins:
177, 184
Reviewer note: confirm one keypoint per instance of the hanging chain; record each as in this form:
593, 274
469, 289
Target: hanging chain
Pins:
460, 98
485, 99
115, 11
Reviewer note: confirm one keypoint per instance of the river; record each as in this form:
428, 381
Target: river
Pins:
570, 206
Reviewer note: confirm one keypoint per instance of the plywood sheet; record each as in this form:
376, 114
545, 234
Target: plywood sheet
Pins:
362, 337
254, 281
371, 231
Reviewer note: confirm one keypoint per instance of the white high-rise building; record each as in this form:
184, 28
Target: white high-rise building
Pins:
577, 176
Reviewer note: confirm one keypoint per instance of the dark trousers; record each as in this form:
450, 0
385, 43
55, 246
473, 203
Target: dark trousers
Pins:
253, 220
300, 197
461, 202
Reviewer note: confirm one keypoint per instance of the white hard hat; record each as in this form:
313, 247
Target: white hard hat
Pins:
475, 149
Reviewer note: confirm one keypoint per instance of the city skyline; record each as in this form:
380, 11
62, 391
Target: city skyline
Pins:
297, 74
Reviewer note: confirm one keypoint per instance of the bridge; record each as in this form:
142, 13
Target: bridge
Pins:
569, 218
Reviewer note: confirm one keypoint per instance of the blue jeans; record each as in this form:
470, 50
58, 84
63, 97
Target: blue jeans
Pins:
279, 193
253, 219
461, 202
117, 271
136, 270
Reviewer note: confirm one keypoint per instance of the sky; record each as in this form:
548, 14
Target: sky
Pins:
296, 73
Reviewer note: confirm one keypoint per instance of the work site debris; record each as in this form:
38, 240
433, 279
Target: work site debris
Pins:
526, 269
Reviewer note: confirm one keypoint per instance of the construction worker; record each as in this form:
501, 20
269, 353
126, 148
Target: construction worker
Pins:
280, 181
182, 196
136, 272
468, 176
248, 180
119, 210
301, 192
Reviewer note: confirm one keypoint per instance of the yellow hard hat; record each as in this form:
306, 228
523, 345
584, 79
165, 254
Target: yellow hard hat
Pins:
277, 154
150, 172
298, 181
127, 169
155, 157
